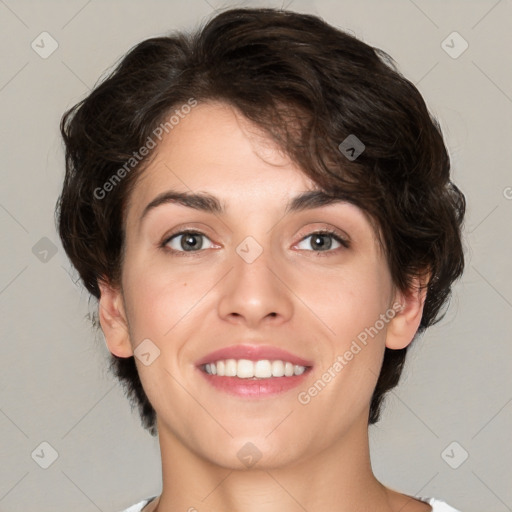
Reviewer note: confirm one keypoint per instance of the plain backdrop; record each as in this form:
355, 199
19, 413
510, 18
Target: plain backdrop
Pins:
60, 406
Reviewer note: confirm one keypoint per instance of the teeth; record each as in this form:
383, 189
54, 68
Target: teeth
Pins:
230, 368
288, 369
277, 368
246, 369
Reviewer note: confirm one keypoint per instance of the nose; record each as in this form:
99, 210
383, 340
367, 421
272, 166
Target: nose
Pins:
256, 292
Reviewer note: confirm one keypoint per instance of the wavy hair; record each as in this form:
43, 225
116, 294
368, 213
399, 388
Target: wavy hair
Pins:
309, 86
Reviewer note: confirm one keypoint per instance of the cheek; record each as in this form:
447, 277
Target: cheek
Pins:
350, 303
347, 301
352, 351
159, 296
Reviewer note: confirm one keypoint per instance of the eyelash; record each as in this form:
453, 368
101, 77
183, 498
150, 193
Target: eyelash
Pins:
345, 244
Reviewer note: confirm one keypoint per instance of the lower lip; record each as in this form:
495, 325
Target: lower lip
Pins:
254, 388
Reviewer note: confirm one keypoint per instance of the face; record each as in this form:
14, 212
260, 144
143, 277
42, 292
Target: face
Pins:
310, 281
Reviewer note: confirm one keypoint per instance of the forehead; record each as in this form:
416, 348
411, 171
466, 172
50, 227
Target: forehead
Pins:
215, 149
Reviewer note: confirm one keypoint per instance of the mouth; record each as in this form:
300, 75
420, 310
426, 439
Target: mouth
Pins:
253, 371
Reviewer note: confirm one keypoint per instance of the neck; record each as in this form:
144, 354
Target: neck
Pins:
339, 479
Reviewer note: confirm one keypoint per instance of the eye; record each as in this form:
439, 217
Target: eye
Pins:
186, 241
322, 241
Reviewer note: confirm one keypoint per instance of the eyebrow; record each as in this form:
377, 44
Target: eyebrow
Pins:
205, 202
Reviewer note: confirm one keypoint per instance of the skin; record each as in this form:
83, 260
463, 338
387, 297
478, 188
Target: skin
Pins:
313, 303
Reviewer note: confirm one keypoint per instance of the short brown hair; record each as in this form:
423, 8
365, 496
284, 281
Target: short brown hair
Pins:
310, 86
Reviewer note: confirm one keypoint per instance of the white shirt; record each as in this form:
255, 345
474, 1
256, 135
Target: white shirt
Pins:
437, 505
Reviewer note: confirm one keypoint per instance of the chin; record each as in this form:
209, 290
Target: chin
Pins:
254, 453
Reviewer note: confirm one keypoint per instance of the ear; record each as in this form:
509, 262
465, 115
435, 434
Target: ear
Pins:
402, 328
113, 320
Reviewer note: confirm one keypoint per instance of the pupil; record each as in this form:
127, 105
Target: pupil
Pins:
191, 241
319, 242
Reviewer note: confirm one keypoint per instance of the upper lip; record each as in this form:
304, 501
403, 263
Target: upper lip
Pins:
253, 353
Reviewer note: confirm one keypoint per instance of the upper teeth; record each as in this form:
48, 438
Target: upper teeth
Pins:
246, 369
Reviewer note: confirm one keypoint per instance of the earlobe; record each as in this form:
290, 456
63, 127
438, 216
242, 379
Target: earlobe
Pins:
404, 325
113, 320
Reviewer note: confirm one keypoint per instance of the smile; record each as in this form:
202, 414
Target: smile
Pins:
247, 369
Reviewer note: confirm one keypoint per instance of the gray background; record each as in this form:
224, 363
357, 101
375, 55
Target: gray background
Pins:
54, 386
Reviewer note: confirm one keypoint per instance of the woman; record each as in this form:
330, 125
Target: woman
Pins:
264, 211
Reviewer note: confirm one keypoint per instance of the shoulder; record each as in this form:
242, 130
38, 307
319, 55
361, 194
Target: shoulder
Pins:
439, 505
139, 506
